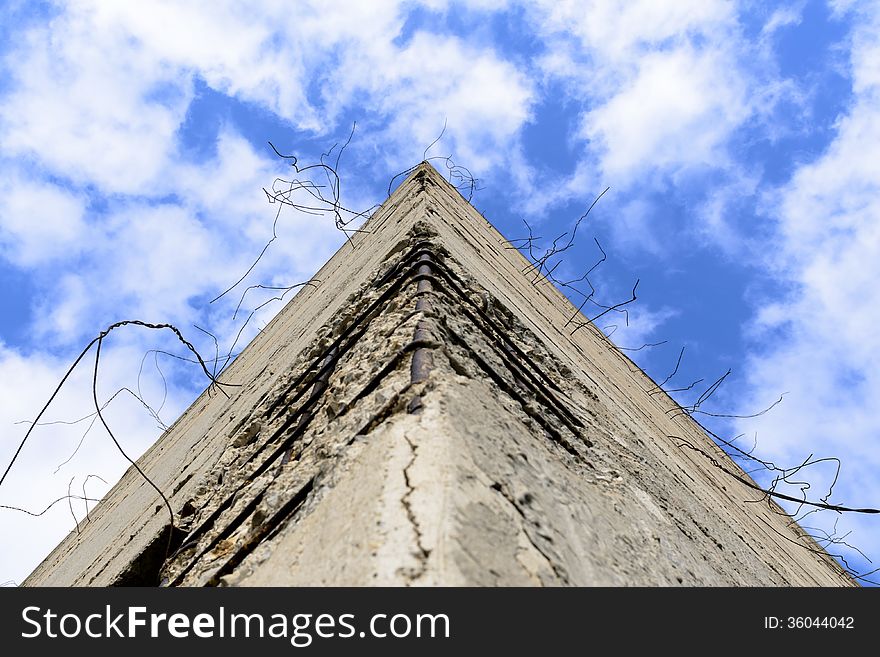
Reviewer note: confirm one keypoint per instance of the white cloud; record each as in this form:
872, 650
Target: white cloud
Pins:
717, 216
661, 90
99, 93
781, 18
153, 261
829, 228
96, 98
670, 95
39, 221
613, 33
28, 380
63, 310
256, 56
636, 225
828, 220
678, 111
484, 99
53, 455
81, 105
641, 330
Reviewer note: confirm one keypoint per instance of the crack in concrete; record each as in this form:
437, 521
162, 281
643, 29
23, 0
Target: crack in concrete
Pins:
422, 553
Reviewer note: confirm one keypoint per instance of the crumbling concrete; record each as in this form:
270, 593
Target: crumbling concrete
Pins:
423, 417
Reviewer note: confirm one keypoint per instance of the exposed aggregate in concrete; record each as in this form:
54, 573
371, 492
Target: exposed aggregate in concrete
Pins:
525, 456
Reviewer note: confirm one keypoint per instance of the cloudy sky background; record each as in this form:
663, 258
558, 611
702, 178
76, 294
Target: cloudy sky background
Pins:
740, 142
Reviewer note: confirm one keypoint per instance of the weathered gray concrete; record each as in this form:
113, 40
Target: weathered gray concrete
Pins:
475, 471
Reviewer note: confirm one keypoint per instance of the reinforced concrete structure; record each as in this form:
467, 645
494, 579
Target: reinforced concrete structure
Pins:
424, 417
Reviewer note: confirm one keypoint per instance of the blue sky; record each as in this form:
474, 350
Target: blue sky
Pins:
738, 140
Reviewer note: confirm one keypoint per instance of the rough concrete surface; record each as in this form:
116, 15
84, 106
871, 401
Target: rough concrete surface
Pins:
424, 417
